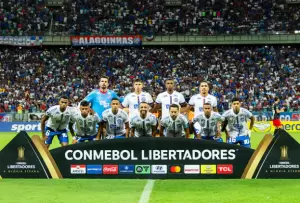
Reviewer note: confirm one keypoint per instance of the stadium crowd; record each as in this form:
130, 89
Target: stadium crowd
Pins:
37, 77
148, 17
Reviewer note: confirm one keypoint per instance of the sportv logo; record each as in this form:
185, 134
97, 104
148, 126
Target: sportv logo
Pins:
26, 127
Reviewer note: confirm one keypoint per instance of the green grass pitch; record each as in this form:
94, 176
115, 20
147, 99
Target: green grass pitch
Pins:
165, 191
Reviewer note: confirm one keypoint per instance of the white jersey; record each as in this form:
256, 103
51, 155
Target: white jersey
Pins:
208, 126
85, 126
197, 101
115, 123
166, 99
175, 128
133, 100
59, 120
237, 124
143, 127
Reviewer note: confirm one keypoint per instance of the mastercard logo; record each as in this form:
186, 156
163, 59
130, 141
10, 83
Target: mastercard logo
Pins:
175, 169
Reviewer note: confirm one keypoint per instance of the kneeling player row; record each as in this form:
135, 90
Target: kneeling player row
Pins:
115, 123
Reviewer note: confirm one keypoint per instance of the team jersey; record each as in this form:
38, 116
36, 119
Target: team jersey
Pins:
115, 123
143, 127
175, 128
100, 101
133, 100
237, 123
208, 126
275, 114
85, 126
197, 101
59, 120
166, 99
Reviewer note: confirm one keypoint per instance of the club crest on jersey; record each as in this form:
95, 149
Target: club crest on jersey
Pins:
80, 122
175, 99
202, 123
119, 121
242, 119
143, 99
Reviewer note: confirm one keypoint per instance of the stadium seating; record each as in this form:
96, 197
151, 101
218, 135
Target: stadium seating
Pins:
31, 76
154, 17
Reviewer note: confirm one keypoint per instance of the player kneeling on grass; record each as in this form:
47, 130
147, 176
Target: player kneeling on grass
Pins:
175, 125
208, 122
236, 121
58, 118
144, 123
86, 123
115, 121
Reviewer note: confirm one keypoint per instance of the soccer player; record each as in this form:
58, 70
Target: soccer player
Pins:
100, 99
198, 100
58, 118
86, 124
165, 99
144, 123
115, 121
175, 125
236, 120
276, 114
133, 100
208, 121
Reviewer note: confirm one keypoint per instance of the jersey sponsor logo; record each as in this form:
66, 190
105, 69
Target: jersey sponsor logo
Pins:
159, 169
142, 169
126, 169
208, 169
175, 169
78, 169
225, 169
110, 169
94, 169
191, 169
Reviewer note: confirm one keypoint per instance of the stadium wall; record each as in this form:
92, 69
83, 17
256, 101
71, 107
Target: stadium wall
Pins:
198, 40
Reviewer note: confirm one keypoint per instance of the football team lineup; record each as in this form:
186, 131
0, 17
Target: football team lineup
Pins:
99, 116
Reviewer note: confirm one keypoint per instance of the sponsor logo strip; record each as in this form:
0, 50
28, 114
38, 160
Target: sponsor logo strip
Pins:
110, 169
94, 169
191, 169
142, 169
78, 169
208, 169
159, 169
225, 169
126, 169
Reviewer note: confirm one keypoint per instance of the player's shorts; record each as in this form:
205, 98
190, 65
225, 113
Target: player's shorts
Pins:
277, 122
81, 139
212, 138
115, 137
243, 140
62, 135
